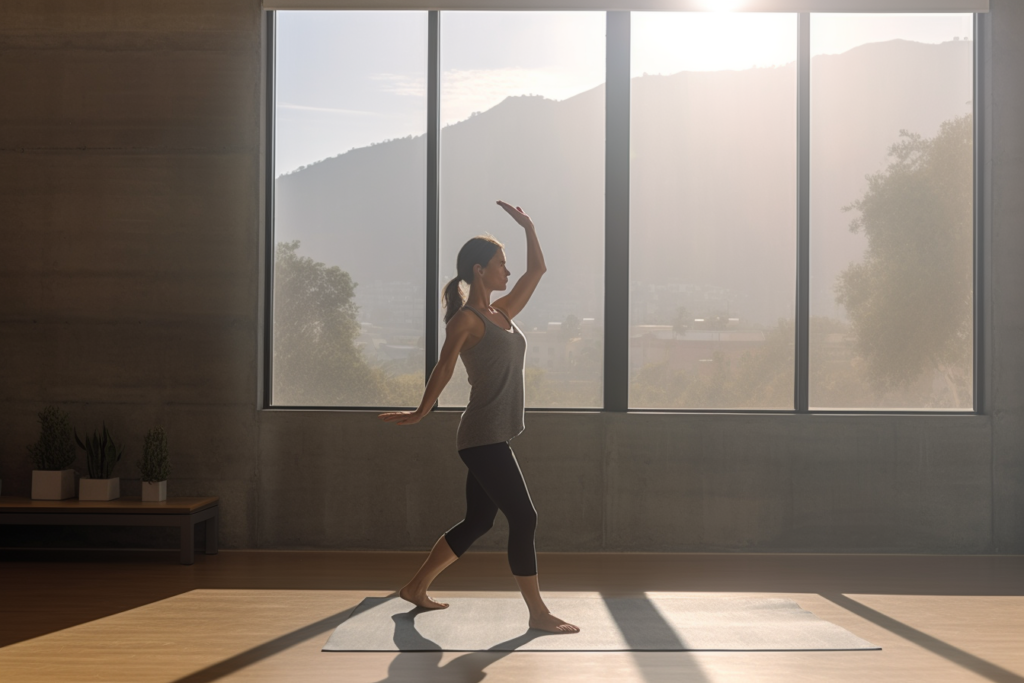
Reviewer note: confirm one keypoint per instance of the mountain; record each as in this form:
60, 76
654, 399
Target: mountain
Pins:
713, 182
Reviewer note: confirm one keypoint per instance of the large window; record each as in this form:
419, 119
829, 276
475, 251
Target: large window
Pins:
892, 212
349, 208
722, 124
522, 115
712, 210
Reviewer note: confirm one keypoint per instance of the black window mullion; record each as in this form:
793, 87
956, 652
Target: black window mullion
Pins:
268, 216
433, 197
803, 198
616, 214
981, 33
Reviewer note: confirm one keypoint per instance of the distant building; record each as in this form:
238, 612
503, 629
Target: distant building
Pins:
551, 350
654, 344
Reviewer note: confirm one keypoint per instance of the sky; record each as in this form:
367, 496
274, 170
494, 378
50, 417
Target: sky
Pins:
350, 79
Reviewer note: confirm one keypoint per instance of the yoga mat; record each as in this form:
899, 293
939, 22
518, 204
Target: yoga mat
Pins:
607, 624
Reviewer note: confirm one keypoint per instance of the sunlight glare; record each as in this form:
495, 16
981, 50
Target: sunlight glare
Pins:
722, 5
666, 43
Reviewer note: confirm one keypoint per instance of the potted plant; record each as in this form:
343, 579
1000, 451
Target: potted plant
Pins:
154, 466
101, 455
53, 454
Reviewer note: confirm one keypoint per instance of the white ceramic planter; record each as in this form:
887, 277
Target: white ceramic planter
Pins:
99, 489
53, 484
154, 491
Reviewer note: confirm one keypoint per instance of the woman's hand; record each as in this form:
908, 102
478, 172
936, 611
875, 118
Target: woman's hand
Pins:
517, 213
404, 417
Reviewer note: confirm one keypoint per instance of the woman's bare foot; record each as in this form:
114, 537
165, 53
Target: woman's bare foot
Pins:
549, 622
420, 599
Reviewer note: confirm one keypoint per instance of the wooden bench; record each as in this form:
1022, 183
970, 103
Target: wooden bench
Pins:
126, 511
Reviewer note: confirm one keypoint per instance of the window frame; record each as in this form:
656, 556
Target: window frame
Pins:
616, 281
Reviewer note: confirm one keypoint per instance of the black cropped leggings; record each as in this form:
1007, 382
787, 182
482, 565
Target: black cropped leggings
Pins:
494, 483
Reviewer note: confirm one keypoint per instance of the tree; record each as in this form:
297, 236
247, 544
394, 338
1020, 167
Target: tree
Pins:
316, 361
910, 300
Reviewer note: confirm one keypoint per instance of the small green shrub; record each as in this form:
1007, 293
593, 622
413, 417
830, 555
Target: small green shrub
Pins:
154, 464
101, 453
55, 449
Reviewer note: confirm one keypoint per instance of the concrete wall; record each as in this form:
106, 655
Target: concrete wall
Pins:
130, 209
129, 205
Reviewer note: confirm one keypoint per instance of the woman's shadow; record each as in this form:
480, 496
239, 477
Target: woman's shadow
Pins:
419, 657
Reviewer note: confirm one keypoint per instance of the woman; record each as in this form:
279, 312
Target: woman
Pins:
493, 349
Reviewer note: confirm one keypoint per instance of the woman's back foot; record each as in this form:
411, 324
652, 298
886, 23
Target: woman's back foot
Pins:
420, 599
551, 623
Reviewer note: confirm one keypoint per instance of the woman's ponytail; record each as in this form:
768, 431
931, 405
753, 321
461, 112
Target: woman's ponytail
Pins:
452, 298
478, 251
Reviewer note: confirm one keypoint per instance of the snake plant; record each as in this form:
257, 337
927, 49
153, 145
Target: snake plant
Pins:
101, 453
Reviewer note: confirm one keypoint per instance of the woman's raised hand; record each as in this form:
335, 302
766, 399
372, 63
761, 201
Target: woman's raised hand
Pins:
517, 213
403, 417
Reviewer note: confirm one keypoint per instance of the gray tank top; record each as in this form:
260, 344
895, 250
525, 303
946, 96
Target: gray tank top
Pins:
494, 365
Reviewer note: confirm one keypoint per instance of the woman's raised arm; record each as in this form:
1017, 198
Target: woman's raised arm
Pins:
515, 301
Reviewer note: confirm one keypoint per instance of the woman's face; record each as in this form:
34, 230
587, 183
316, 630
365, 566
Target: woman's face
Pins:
495, 275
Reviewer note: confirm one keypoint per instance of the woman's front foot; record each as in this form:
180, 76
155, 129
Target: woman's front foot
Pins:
551, 623
419, 598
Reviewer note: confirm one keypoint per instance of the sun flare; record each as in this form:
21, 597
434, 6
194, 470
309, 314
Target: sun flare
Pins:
723, 5
667, 43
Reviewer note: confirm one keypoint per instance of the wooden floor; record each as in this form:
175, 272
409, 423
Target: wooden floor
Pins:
140, 617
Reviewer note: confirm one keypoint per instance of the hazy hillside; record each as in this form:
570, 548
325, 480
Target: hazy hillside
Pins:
713, 183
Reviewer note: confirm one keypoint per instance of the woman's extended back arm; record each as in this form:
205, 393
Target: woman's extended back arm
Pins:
456, 333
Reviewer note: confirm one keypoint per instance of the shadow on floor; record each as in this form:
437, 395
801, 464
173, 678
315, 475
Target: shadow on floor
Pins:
974, 664
665, 636
469, 667
265, 650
